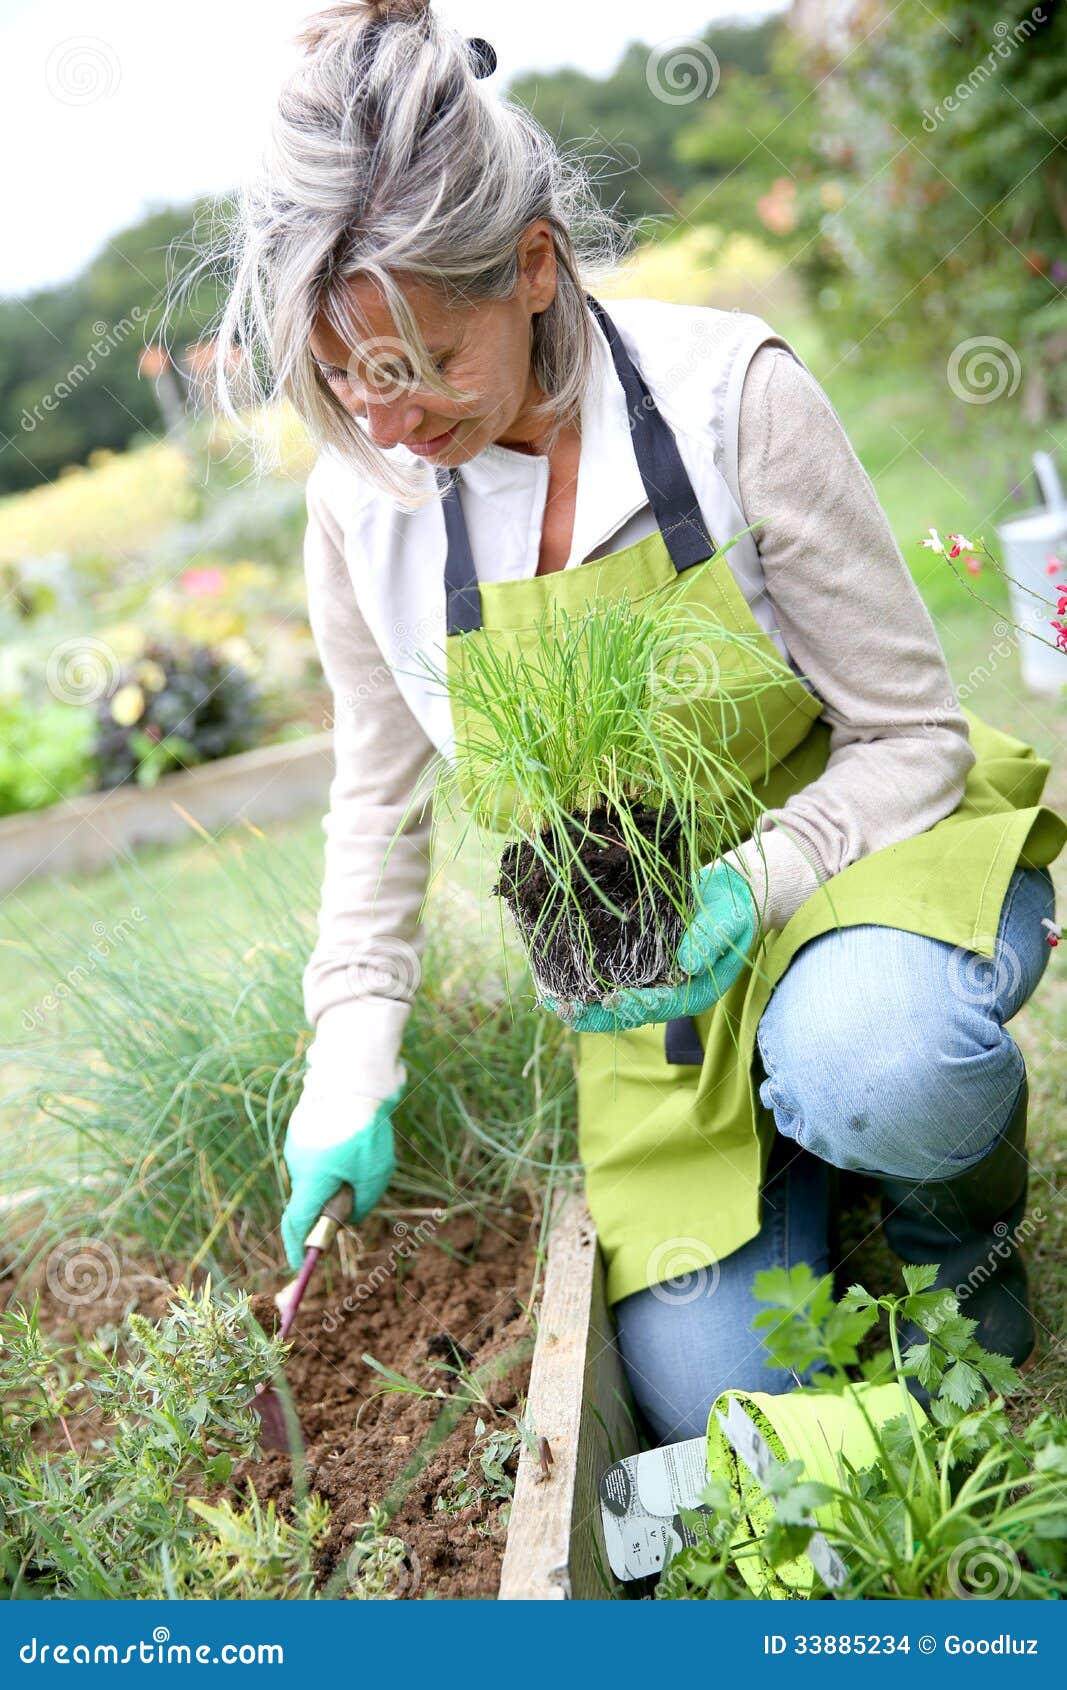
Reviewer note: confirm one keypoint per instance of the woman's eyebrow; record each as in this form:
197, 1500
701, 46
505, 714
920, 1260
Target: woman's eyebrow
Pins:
444, 350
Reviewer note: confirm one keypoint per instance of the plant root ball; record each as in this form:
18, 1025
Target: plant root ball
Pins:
580, 948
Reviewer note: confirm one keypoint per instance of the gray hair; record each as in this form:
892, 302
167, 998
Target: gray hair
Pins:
390, 156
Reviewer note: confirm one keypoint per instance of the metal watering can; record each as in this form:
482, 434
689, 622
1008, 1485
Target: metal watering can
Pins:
1027, 542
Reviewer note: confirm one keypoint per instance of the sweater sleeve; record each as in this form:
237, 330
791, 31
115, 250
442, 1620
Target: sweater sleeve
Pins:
365, 966
856, 628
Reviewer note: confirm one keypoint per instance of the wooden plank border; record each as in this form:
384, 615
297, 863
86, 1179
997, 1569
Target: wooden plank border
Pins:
91, 830
579, 1402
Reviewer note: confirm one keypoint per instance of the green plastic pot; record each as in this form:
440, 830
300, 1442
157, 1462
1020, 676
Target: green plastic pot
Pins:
816, 1428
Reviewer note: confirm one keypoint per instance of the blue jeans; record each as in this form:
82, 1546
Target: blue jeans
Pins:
883, 1052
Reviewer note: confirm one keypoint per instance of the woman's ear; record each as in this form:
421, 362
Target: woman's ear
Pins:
537, 266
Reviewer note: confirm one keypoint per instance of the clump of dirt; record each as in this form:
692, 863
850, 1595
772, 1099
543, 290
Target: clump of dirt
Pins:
579, 948
453, 1314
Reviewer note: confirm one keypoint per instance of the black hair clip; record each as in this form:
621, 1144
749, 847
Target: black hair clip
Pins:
482, 55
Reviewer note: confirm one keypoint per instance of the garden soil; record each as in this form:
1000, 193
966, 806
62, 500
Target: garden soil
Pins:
460, 1298
420, 1299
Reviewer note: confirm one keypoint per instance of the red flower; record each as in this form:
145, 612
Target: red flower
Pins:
1054, 564
958, 543
974, 566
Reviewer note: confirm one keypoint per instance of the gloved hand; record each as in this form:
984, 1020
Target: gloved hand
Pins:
712, 953
333, 1140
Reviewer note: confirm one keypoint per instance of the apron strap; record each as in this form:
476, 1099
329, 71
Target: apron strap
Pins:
682, 1044
678, 517
666, 482
670, 491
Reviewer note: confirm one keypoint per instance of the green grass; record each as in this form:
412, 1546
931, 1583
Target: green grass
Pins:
166, 1081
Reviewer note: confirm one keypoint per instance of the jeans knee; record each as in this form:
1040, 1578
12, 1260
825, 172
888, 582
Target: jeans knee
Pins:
909, 1111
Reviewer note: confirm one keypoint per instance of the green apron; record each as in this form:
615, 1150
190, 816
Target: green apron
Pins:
672, 1134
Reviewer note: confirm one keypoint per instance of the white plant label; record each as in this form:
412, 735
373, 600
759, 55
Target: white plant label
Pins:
640, 1499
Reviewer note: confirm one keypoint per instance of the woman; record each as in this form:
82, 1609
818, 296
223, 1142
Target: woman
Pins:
414, 267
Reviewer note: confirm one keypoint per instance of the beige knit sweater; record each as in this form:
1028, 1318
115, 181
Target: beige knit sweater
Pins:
858, 630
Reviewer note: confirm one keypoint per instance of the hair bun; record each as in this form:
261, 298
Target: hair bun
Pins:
397, 8
337, 22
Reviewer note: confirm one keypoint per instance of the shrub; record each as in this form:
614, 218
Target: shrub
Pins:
116, 1519
45, 754
175, 707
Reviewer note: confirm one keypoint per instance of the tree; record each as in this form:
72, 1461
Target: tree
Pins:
70, 355
626, 125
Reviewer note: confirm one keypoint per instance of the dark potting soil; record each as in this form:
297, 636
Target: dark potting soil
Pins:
578, 947
424, 1300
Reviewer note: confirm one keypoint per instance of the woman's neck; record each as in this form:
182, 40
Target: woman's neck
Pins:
526, 432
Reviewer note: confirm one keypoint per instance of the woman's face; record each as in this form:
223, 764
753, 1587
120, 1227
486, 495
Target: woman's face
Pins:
483, 349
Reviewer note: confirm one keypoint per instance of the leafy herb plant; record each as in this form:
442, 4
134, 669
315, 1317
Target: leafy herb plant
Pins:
958, 1503
117, 1517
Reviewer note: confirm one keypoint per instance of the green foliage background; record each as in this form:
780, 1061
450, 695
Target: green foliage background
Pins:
913, 181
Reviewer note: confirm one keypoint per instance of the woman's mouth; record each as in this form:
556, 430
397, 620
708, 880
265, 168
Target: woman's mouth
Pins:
436, 443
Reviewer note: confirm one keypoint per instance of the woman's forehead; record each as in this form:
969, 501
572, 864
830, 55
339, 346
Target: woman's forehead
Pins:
359, 313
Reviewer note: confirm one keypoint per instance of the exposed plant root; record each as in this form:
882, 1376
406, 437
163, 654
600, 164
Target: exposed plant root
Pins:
592, 918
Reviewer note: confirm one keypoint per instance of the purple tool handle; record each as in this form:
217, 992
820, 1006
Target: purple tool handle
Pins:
301, 1285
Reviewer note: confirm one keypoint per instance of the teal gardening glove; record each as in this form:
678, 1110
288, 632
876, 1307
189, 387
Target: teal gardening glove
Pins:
322, 1153
712, 953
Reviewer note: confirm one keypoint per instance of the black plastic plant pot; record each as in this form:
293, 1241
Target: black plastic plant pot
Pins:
594, 914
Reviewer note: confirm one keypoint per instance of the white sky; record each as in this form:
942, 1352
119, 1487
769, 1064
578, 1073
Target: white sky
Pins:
109, 107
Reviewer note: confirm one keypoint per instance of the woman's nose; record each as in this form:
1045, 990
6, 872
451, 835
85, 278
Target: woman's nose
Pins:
390, 420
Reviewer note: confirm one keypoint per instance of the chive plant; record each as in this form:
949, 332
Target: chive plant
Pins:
608, 746
160, 1109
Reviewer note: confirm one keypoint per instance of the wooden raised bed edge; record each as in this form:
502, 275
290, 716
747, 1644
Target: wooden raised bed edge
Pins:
88, 831
580, 1403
